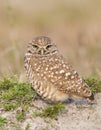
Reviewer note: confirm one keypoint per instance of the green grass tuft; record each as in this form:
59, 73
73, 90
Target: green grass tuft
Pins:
27, 127
53, 111
20, 116
14, 94
95, 84
2, 121
9, 106
50, 111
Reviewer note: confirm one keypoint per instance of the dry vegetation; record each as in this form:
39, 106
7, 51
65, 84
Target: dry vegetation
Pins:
74, 25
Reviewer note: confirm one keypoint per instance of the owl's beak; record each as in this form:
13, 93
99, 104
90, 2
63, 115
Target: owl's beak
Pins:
42, 51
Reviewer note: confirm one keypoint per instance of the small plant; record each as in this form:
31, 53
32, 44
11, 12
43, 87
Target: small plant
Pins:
20, 116
43, 129
53, 111
2, 121
79, 107
50, 111
95, 84
16, 127
9, 106
37, 113
14, 94
27, 127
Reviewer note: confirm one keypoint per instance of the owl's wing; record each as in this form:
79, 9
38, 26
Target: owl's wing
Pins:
56, 70
70, 82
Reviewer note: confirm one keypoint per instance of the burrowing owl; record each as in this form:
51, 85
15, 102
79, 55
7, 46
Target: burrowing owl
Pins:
50, 74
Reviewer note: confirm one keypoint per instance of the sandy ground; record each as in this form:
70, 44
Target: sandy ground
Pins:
86, 117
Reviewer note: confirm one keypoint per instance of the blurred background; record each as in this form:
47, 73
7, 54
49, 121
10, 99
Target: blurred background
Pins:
75, 26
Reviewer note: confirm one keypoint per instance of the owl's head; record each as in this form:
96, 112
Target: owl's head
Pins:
42, 46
